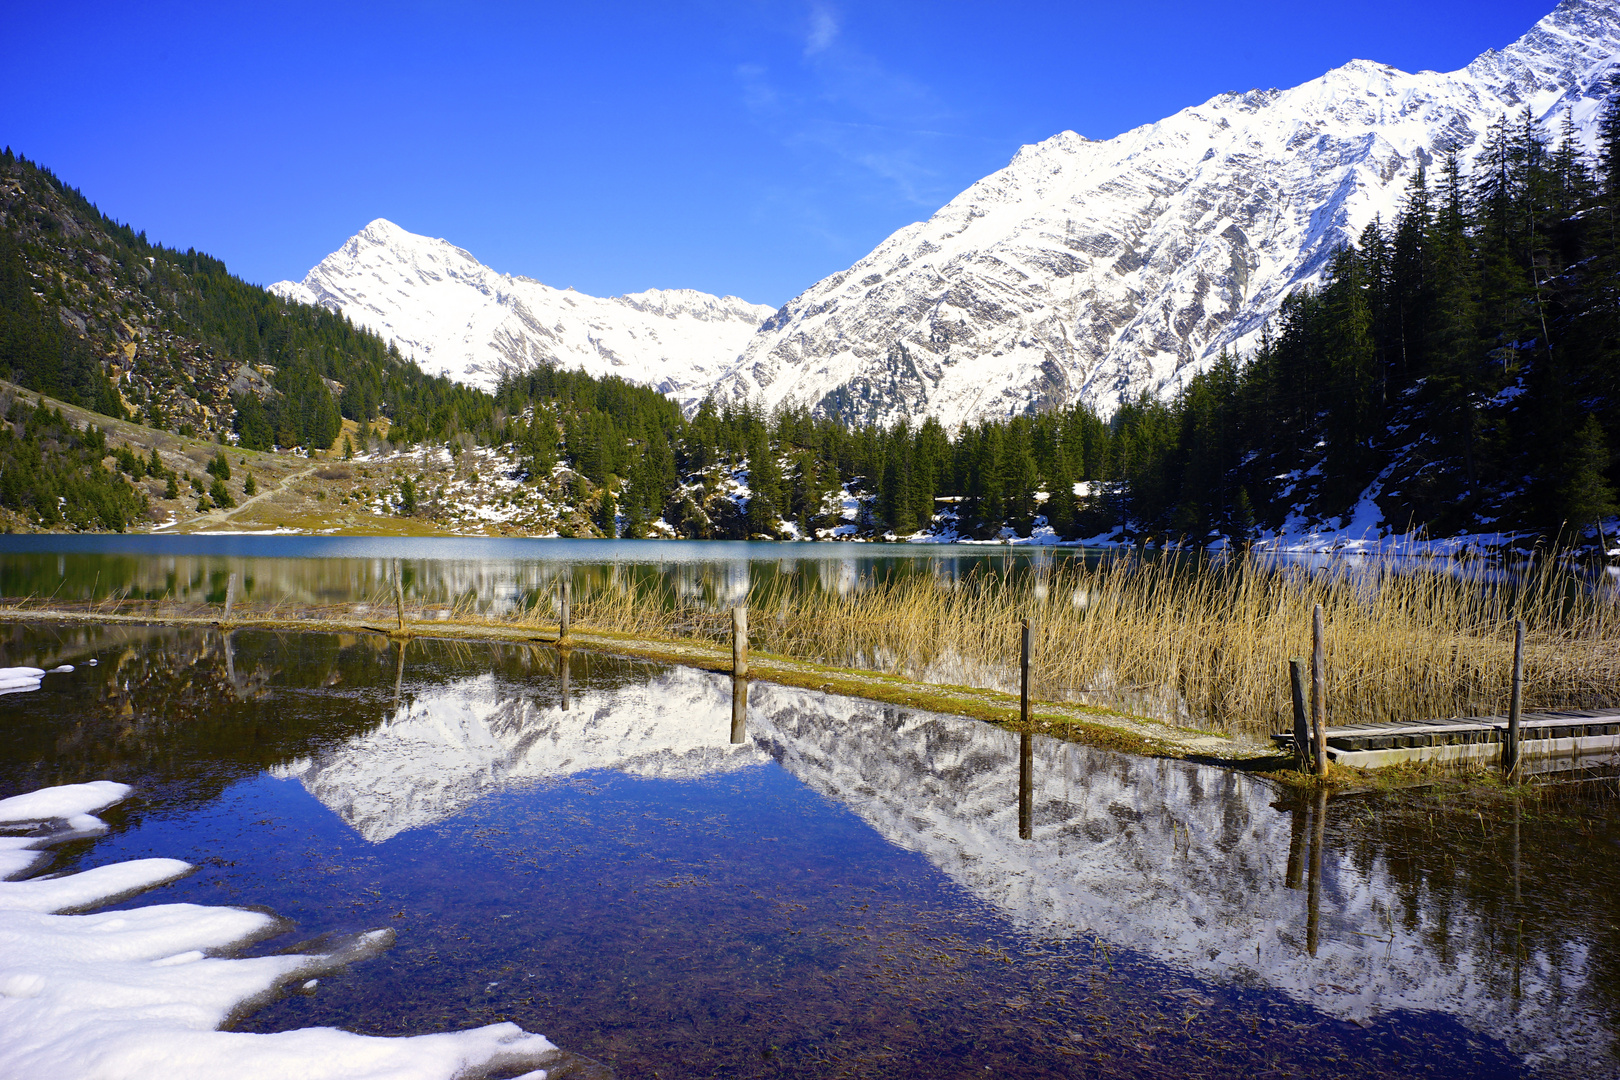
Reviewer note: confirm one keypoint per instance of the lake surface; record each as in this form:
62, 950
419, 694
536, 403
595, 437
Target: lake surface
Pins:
488, 575
601, 851
313, 575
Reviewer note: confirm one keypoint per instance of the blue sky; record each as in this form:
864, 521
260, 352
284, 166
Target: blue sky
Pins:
735, 147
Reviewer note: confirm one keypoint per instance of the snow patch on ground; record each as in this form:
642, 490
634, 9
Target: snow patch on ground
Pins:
128, 995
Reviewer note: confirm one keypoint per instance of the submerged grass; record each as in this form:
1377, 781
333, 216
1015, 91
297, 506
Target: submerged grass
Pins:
1188, 641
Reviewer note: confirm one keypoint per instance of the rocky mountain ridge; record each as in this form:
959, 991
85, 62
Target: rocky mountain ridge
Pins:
460, 318
1096, 270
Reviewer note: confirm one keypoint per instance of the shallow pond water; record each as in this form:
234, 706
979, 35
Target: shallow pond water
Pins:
830, 887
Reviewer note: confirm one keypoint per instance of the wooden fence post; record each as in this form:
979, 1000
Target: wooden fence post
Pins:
1302, 725
1026, 744
1313, 896
739, 711
399, 596
1319, 691
1510, 752
399, 675
565, 602
1298, 828
1023, 675
739, 641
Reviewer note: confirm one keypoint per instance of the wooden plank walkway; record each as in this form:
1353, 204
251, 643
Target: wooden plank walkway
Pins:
1572, 731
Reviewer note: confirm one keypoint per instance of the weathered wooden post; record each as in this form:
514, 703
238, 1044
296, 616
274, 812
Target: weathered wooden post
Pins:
1313, 900
1299, 822
1510, 751
1026, 744
230, 595
1517, 895
565, 603
230, 660
739, 711
399, 597
1023, 675
399, 675
739, 641
1303, 753
1319, 691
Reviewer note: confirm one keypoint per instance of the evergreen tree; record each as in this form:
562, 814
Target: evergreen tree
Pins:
764, 486
1586, 497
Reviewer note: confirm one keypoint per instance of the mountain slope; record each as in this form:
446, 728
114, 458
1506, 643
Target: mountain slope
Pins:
93, 312
1092, 271
459, 317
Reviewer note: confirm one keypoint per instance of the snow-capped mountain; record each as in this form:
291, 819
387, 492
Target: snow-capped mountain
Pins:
459, 318
1095, 270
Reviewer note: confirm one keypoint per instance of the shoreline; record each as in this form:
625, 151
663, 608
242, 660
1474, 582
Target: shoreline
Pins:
1086, 725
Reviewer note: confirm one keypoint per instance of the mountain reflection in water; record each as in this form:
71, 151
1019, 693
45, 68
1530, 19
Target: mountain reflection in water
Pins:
1205, 887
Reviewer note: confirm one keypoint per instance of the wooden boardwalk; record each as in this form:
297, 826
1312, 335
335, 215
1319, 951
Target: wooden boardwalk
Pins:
1573, 733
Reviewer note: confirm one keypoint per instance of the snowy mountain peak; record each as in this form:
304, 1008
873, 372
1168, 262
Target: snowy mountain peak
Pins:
460, 318
1096, 270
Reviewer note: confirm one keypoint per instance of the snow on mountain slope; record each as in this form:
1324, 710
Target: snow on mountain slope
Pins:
1095, 270
452, 744
458, 317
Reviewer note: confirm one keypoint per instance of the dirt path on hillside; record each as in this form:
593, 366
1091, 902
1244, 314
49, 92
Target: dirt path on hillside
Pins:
224, 516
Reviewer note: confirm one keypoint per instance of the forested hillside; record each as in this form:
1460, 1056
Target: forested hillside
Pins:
1460, 370
94, 313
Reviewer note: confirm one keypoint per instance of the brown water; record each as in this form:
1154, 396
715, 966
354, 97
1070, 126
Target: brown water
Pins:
841, 893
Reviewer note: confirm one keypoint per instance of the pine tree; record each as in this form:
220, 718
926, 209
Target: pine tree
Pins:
764, 486
1242, 526
1059, 506
1586, 497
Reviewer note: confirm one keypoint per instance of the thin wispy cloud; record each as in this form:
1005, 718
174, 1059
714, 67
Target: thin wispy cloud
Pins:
823, 29
863, 122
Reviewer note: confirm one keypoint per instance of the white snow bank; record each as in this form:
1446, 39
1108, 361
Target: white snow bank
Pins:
52, 816
21, 678
132, 994
69, 800
92, 888
314, 1054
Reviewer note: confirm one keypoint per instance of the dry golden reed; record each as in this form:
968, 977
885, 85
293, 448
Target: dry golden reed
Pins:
1189, 641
